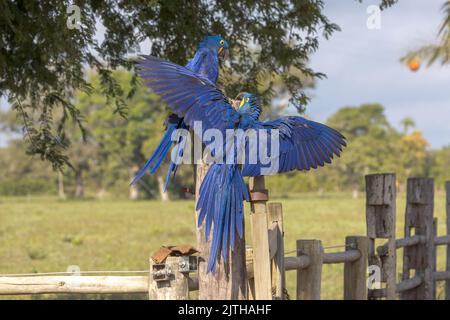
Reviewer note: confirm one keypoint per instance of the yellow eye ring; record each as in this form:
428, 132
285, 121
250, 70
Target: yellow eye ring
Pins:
222, 42
247, 100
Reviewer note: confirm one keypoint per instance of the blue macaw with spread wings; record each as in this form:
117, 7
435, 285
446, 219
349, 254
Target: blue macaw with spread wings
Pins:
206, 62
303, 144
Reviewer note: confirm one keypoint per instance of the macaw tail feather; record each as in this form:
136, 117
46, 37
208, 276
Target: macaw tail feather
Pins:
159, 154
220, 203
179, 152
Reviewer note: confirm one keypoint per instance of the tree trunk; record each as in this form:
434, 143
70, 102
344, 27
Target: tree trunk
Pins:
355, 192
134, 189
79, 189
61, 193
229, 281
134, 192
101, 193
164, 195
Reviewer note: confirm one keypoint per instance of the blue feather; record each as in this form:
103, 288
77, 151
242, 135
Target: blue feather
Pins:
224, 209
159, 153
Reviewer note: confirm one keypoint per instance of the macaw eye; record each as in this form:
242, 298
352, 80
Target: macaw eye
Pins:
222, 42
247, 99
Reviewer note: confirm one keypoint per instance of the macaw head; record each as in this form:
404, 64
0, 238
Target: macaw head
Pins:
250, 104
216, 44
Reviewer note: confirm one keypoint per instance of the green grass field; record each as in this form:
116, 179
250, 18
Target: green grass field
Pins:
47, 235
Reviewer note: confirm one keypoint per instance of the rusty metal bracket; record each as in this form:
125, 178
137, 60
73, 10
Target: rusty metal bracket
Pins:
259, 195
188, 264
161, 272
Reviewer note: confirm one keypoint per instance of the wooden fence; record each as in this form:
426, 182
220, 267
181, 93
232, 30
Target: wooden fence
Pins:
267, 263
419, 274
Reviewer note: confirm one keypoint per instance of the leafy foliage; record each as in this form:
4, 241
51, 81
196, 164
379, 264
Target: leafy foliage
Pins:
441, 166
21, 175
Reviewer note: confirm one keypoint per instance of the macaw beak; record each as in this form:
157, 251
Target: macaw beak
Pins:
240, 96
223, 54
237, 101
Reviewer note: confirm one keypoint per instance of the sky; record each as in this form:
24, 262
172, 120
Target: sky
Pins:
363, 66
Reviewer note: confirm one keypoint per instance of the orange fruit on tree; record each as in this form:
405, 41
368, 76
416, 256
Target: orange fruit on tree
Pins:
414, 64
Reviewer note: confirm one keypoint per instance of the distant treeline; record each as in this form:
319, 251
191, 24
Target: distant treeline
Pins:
113, 149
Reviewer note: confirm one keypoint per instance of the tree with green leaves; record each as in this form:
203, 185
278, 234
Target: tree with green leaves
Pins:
413, 156
42, 60
109, 134
22, 174
122, 144
440, 168
108, 155
407, 123
372, 143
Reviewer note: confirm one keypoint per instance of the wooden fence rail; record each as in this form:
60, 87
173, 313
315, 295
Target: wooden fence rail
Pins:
418, 277
73, 284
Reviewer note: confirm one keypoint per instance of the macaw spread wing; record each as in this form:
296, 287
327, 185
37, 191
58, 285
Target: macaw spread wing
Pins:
188, 95
303, 144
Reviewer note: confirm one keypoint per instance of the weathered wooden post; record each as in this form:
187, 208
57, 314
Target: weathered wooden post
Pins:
434, 266
249, 269
447, 268
278, 275
230, 281
260, 239
309, 279
420, 257
380, 218
355, 272
167, 282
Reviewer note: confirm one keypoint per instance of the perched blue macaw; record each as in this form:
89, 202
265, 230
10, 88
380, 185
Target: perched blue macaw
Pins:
303, 144
211, 51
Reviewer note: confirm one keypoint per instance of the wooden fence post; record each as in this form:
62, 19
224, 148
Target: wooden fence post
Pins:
434, 266
173, 287
355, 272
420, 257
380, 217
260, 239
309, 279
447, 268
250, 279
278, 275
